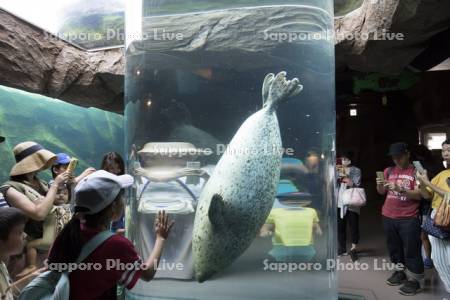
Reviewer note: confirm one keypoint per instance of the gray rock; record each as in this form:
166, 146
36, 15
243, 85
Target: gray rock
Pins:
240, 39
416, 20
35, 61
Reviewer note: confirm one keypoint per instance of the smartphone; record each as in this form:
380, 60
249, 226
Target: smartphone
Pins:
418, 166
72, 165
380, 175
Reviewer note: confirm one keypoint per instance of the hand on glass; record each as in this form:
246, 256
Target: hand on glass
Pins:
162, 225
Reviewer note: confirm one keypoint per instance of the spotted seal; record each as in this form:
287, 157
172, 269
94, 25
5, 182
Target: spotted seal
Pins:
238, 197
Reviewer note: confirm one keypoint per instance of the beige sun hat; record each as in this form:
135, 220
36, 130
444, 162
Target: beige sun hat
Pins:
31, 157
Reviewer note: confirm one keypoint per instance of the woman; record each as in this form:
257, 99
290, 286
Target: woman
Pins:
27, 192
349, 177
98, 202
112, 162
437, 190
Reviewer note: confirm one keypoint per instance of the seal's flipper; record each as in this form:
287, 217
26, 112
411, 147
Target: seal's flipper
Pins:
266, 86
215, 212
280, 90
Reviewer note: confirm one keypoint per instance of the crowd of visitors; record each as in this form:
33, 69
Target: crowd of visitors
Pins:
71, 215
67, 218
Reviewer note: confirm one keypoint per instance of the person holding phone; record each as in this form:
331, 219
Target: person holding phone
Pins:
401, 221
349, 177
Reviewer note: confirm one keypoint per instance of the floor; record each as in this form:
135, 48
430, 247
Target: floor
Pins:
371, 283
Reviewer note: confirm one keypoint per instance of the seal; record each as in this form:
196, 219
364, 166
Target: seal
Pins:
238, 197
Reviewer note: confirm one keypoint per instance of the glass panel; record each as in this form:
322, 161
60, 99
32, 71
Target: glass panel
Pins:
249, 185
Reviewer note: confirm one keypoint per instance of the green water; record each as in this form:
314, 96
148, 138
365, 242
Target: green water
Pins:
59, 126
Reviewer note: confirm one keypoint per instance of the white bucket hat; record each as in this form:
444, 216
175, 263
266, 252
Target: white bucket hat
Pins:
98, 190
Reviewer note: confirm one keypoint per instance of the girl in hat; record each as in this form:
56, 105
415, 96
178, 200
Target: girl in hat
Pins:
27, 192
98, 202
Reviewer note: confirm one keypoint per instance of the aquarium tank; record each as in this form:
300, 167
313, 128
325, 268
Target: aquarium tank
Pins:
84, 133
230, 129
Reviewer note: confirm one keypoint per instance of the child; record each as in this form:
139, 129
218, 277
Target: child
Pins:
294, 226
12, 223
98, 202
60, 166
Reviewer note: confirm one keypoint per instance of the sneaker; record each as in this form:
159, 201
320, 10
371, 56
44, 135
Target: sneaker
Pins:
354, 255
397, 278
410, 288
428, 263
342, 253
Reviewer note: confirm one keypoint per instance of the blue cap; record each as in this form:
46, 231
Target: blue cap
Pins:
62, 159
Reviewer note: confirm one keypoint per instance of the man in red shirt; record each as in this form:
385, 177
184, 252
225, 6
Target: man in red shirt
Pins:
401, 220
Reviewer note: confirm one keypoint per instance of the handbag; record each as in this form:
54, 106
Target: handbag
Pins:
429, 227
442, 217
354, 197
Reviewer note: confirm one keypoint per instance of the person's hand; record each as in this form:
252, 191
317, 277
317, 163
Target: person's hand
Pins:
380, 181
72, 180
39, 271
162, 225
319, 231
120, 231
394, 187
347, 181
139, 172
88, 171
422, 177
62, 178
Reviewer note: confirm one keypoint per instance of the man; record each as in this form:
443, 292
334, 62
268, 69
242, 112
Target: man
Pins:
436, 190
401, 221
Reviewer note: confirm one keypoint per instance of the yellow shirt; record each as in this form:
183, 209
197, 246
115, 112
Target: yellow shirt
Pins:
440, 180
293, 227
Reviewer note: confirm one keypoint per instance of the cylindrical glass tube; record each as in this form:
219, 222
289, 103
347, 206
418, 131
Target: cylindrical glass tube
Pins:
242, 162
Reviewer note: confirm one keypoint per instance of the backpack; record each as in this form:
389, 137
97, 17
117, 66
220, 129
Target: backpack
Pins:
53, 285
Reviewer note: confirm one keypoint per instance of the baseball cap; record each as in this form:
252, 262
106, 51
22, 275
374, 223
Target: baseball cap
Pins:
98, 190
398, 149
62, 159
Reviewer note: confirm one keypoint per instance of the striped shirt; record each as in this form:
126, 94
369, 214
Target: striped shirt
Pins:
3, 202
